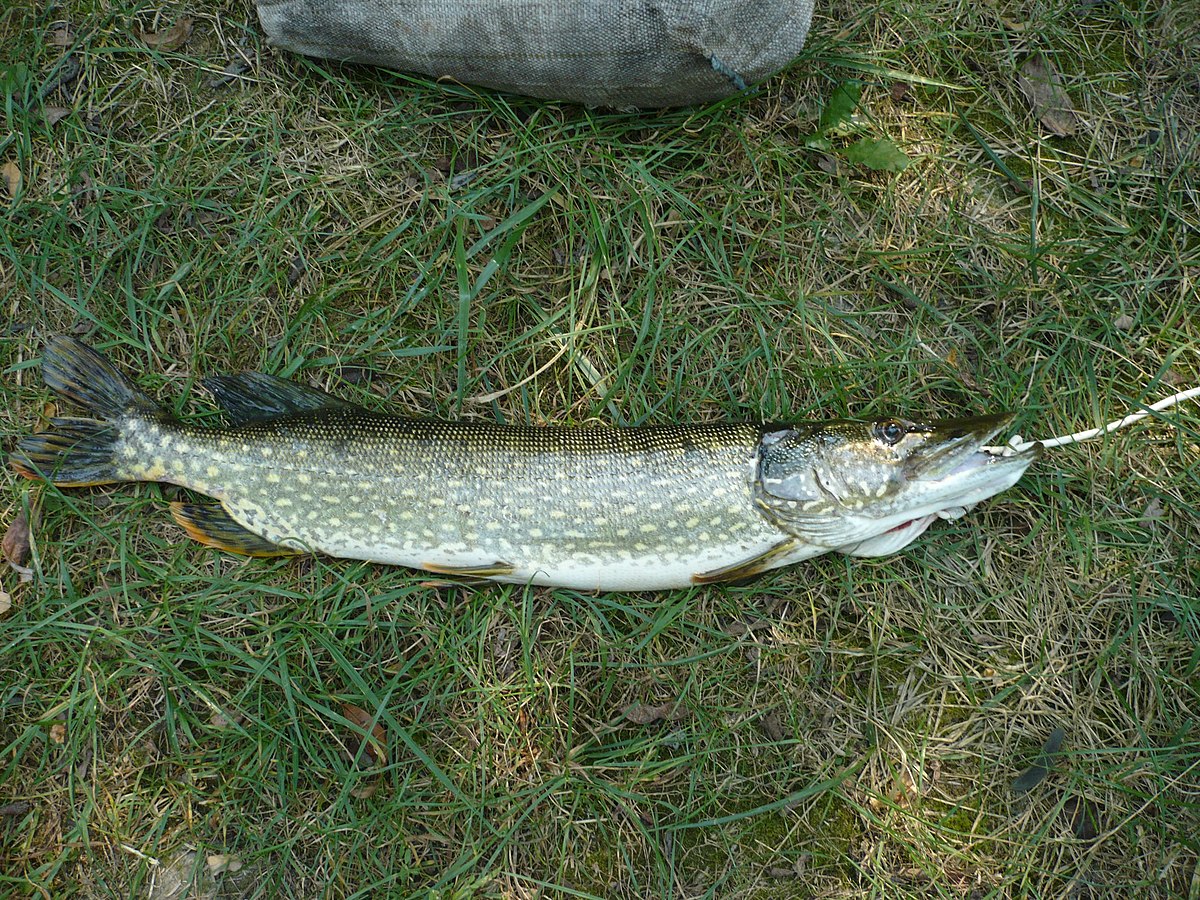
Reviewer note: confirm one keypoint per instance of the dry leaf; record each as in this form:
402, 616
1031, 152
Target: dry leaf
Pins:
169, 38
641, 714
55, 114
221, 721
375, 745
5, 602
16, 542
61, 37
228, 75
220, 863
11, 176
1042, 86
771, 725
58, 733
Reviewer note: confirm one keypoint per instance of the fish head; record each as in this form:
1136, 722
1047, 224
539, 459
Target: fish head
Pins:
869, 488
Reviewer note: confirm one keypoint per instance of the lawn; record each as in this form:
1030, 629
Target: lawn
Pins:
842, 728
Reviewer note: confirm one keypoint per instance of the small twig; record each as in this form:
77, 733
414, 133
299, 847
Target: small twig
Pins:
1017, 444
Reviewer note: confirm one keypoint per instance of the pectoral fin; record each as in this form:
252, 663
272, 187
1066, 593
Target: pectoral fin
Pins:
756, 565
212, 526
491, 570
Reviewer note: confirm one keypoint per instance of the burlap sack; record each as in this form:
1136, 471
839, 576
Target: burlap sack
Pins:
619, 53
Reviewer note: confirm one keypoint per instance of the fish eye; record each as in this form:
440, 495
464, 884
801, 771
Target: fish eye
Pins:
890, 431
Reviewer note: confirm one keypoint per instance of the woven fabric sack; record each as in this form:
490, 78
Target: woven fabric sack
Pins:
618, 53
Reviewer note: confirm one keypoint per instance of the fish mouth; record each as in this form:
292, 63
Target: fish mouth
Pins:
958, 468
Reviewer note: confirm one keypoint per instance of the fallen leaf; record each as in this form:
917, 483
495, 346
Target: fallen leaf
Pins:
16, 543
365, 791
839, 109
772, 727
11, 175
1036, 774
220, 863
641, 714
1042, 86
827, 164
5, 602
55, 114
375, 741
58, 733
169, 38
220, 720
61, 37
1123, 323
899, 91
17, 808
229, 74
181, 877
1154, 510
882, 155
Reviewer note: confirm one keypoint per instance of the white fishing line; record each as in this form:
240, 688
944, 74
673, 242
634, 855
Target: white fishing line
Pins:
1018, 444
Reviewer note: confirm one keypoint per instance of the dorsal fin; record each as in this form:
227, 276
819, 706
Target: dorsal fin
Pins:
250, 396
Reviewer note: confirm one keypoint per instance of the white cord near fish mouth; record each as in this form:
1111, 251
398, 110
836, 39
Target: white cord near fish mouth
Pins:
1017, 444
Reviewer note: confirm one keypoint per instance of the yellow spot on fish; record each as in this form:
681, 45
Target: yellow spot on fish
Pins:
536, 533
331, 498
647, 528
273, 478
303, 477
212, 471
283, 501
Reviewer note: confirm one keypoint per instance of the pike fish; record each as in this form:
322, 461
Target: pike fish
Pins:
297, 470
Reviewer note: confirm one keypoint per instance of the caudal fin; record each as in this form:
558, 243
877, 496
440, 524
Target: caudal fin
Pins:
80, 451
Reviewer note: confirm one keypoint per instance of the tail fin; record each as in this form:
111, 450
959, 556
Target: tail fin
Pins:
78, 451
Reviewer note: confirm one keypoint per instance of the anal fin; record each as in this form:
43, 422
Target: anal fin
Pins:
491, 570
212, 526
755, 565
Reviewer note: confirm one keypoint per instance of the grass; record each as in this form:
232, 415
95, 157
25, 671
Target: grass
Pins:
844, 728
